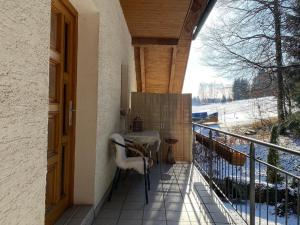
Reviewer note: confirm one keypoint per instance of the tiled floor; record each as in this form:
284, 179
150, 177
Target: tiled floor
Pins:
178, 196
77, 215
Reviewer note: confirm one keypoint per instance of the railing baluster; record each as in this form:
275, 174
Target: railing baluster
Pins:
276, 197
267, 200
259, 174
231, 180
236, 188
223, 180
217, 171
210, 160
234, 183
286, 200
252, 184
228, 183
298, 203
246, 193
241, 193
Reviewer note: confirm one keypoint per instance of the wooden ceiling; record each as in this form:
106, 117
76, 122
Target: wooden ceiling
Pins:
161, 33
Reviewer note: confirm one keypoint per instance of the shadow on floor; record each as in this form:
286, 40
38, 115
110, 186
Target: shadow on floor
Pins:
179, 196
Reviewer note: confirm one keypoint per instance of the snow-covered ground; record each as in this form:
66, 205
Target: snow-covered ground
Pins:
289, 163
241, 112
222, 169
264, 214
245, 112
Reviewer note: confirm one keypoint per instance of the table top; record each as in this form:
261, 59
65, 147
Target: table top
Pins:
171, 141
143, 137
151, 133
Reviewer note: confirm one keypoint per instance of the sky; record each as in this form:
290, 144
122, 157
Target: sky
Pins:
197, 70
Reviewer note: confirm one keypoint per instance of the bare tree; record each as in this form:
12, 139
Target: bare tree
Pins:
248, 38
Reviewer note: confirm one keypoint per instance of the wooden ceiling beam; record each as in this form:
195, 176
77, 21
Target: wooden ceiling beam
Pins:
143, 71
173, 69
142, 41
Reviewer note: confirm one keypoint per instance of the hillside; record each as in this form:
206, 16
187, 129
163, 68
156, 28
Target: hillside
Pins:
241, 112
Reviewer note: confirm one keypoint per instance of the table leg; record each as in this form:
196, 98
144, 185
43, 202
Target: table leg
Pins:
170, 156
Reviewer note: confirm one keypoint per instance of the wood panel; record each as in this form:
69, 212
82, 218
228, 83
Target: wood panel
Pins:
171, 115
173, 124
185, 40
155, 18
157, 69
143, 69
166, 70
142, 42
183, 51
187, 121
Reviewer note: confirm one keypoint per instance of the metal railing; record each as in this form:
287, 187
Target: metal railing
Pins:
238, 170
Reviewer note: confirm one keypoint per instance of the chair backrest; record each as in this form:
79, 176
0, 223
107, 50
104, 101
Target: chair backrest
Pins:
120, 149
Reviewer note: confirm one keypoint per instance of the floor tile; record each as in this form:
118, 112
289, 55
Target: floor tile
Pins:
177, 197
219, 218
207, 200
193, 208
129, 222
133, 206
213, 208
105, 221
117, 198
67, 215
200, 217
136, 198
175, 216
75, 221
154, 215
179, 223
156, 196
108, 213
113, 205
168, 194
175, 206
131, 214
204, 223
155, 222
154, 206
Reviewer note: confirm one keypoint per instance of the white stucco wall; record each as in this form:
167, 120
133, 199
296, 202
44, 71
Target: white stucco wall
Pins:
24, 57
99, 92
115, 49
86, 117
87, 95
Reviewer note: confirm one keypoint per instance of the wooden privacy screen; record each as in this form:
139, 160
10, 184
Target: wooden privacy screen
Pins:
171, 115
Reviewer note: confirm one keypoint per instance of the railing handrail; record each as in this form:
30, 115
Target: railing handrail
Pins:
270, 145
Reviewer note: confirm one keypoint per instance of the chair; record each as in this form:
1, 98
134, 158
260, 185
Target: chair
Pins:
139, 163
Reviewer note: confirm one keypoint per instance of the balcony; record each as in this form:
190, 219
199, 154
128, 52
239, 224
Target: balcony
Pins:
218, 187
179, 195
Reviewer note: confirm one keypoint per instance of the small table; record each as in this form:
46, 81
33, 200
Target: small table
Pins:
170, 155
147, 138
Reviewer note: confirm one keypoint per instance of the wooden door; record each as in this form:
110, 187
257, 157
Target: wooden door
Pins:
61, 116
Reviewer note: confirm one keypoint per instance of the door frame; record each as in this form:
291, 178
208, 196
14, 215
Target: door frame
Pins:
74, 13
73, 83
